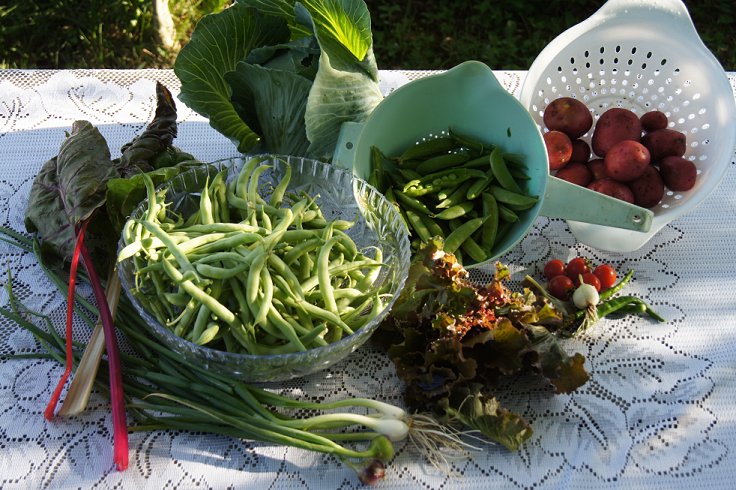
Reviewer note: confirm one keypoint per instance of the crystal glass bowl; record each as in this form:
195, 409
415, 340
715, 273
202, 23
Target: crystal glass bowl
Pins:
340, 195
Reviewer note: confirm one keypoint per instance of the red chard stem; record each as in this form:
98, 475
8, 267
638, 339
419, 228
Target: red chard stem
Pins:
119, 423
51, 407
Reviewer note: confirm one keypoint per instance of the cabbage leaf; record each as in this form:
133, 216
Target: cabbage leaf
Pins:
282, 76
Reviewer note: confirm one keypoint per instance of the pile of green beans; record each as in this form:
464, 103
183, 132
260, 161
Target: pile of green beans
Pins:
466, 191
248, 274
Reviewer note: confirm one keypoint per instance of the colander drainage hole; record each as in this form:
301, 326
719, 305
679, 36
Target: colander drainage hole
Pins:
637, 219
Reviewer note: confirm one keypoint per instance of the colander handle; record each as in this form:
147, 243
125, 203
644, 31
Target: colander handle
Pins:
569, 201
344, 155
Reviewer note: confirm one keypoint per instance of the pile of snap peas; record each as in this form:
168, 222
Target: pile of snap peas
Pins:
453, 186
248, 274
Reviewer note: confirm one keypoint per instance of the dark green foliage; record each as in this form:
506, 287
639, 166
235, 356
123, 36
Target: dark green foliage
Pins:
425, 34
91, 33
509, 34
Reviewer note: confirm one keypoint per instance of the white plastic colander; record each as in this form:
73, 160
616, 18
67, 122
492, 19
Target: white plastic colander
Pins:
642, 55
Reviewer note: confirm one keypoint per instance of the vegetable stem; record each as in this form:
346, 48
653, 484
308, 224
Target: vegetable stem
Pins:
49, 412
79, 391
120, 431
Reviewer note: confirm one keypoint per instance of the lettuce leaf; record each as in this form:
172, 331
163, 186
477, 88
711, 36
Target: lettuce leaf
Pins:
454, 342
242, 68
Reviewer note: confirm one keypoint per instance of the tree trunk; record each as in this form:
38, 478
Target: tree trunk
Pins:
163, 23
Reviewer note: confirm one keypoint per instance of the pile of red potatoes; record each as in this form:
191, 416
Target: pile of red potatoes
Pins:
632, 158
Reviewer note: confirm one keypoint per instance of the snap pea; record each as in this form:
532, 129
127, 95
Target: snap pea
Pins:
501, 172
458, 195
469, 142
418, 226
377, 175
506, 214
514, 200
411, 202
477, 188
490, 226
441, 162
427, 148
461, 233
455, 211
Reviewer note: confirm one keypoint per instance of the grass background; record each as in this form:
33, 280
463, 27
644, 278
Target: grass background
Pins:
412, 34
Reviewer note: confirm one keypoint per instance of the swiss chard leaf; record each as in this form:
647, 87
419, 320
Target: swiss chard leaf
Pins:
138, 154
69, 188
218, 43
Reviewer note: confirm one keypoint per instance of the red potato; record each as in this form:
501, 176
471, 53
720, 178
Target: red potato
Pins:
612, 188
559, 149
569, 116
648, 189
580, 151
626, 160
598, 168
678, 174
664, 143
575, 172
653, 120
615, 125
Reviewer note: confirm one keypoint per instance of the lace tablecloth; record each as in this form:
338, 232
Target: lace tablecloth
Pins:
658, 412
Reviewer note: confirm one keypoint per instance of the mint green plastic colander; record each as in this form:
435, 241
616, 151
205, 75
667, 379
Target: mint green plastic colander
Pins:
469, 99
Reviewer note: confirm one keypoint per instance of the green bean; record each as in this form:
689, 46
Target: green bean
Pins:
206, 216
302, 248
604, 295
220, 228
277, 196
286, 328
312, 282
241, 182
218, 192
287, 274
254, 277
200, 322
323, 275
266, 284
217, 308
221, 243
171, 246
